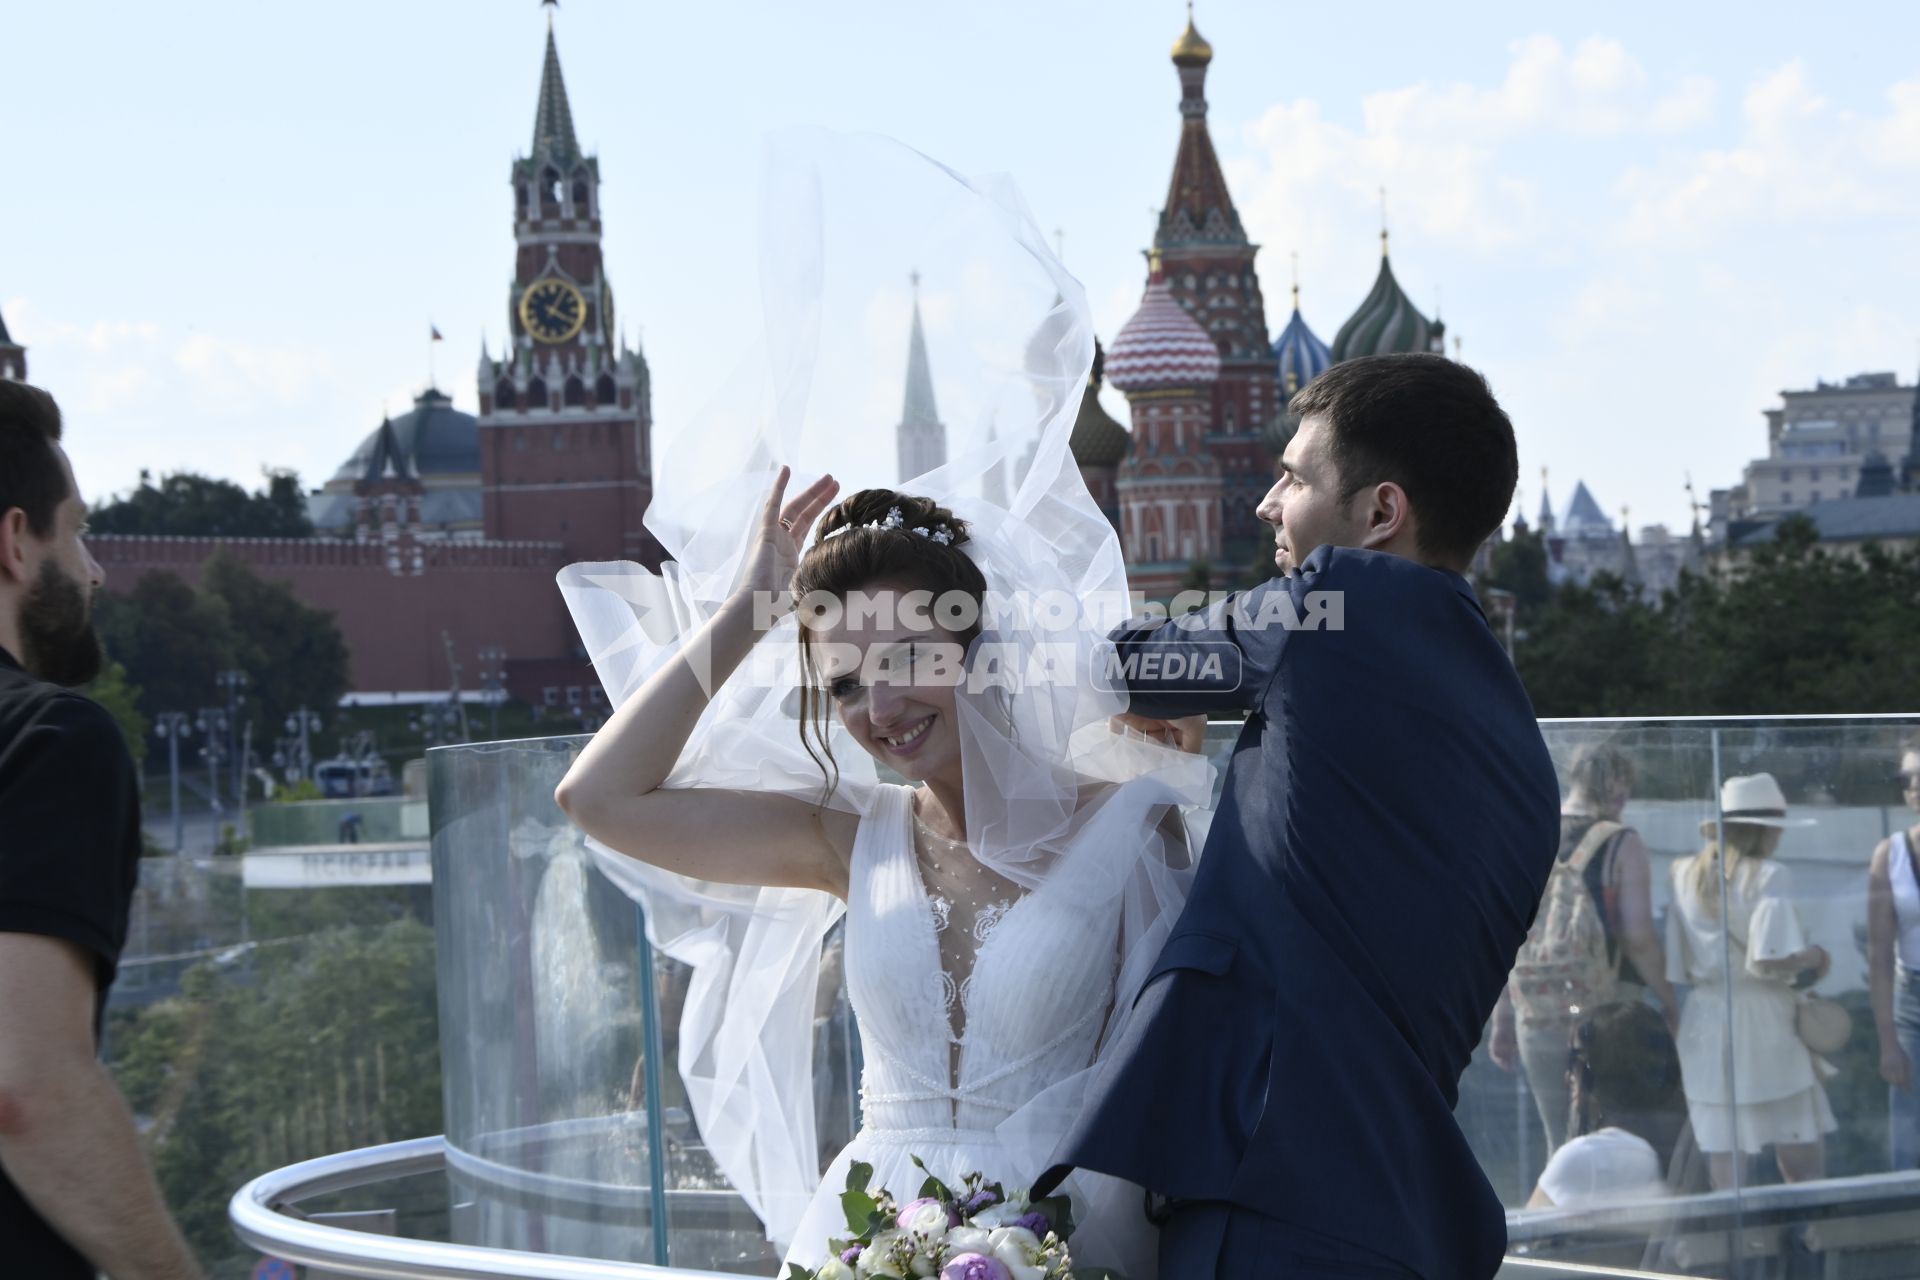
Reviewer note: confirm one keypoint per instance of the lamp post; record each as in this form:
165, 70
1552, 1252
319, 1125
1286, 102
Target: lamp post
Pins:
212, 724
231, 682
493, 677
173, 726
437, 722
303, 722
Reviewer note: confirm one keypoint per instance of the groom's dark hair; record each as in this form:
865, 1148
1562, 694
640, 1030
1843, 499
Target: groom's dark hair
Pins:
1429, 425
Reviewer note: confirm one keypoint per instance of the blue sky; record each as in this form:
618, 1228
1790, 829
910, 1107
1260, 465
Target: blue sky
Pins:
228, 225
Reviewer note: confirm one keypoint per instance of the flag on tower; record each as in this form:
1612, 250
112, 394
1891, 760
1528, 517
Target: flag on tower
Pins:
436, 333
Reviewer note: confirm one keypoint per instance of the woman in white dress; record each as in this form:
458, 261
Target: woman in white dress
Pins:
1735, 934
975, 993
1000, 912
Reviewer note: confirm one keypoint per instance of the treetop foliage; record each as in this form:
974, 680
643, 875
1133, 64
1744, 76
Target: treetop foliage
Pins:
184, 504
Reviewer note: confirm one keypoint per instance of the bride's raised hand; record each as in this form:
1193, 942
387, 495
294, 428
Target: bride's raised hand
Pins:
782, 532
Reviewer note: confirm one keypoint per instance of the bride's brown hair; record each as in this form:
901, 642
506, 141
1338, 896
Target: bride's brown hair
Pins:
849, 553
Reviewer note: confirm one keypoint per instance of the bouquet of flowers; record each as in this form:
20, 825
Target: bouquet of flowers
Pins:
978, 1232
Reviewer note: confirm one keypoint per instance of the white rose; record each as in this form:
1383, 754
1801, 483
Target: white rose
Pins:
1016, 1247
1000, 1215
834, 1270
968, 1240
927, 1221
877, 1259
923, 1265
1002, 1237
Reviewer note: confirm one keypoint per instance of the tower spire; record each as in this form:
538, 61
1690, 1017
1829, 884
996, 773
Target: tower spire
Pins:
921, 436
1295, 256
1383, 222
553, 136
1199, 208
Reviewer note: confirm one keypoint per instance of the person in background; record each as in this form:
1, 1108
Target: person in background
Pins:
1624, 1078
1893, 966
1599, 947
1744, 965
76, 1196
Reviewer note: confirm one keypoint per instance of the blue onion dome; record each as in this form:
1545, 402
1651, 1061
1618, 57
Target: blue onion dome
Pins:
1302, 356
1162, 347
1387, 323
1097, 440
434, 439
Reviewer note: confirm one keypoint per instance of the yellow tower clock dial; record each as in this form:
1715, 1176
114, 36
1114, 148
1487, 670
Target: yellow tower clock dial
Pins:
552, 310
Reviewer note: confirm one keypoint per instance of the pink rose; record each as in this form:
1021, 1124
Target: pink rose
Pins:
927, 1217
975, 1266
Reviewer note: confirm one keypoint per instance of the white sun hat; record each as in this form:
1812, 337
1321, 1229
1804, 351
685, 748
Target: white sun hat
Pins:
1754, 799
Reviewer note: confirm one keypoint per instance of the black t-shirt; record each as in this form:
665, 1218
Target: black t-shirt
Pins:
69, 857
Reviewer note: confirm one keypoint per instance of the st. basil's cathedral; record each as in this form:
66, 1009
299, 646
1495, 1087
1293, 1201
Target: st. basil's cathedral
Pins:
1206, 390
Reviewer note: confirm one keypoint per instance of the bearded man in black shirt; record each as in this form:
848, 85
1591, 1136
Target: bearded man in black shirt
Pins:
76, 1195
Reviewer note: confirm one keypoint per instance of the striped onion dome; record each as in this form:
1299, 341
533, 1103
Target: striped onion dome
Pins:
1097, 440
1161, 347
1302, 356
1387, 323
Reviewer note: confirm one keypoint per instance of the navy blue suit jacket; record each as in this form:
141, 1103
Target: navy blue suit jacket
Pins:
1388, 823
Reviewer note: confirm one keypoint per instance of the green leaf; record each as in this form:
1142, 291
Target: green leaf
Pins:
797, 1272
859, 1208
859, 1176
932, 1188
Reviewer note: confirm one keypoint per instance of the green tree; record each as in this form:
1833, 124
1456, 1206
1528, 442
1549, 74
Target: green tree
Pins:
1595, 650
1796, 628
1520, 566
330, 1043
112, 690
294, 653
187, 505
171, 639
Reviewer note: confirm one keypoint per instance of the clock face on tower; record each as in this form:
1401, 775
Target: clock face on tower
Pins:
552, 310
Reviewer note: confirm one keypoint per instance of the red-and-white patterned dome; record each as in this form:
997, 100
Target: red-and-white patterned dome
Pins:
1161, 347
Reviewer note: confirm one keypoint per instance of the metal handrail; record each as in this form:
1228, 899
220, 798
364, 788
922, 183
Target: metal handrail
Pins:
258, 1217
256, 1213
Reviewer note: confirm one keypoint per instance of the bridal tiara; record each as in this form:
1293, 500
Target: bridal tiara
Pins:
940, 533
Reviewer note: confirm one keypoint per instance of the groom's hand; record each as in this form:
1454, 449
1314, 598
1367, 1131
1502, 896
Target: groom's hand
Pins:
1188, 733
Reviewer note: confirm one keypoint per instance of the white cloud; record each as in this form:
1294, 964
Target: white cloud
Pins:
1798, 159
231, 370
1596, 89
1438, 149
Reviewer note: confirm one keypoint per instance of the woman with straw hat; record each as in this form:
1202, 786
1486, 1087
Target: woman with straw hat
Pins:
1734, 933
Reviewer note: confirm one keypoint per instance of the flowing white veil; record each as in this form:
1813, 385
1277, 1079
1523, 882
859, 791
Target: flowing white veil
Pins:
1050, 790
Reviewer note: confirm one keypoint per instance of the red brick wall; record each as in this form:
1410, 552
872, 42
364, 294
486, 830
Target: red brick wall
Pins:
489, 593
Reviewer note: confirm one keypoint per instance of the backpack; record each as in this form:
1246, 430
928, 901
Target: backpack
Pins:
1563, 969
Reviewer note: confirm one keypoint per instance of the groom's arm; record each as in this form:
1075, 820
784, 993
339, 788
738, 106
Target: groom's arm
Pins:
1217, 659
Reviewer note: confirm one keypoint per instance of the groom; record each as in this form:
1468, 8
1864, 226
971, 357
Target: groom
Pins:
1285, 1084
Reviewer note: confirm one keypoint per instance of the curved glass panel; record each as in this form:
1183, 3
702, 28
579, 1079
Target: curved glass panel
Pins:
1610, 1141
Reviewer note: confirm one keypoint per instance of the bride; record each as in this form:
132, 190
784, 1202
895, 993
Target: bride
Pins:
1005, 904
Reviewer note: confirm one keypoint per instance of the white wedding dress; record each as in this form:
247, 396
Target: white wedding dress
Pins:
975, 1018
985, 1006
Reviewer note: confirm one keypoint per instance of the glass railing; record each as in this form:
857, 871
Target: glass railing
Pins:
568, 1131
1761, 1135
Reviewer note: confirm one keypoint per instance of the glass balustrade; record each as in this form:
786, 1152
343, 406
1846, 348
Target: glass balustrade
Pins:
568, 1131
